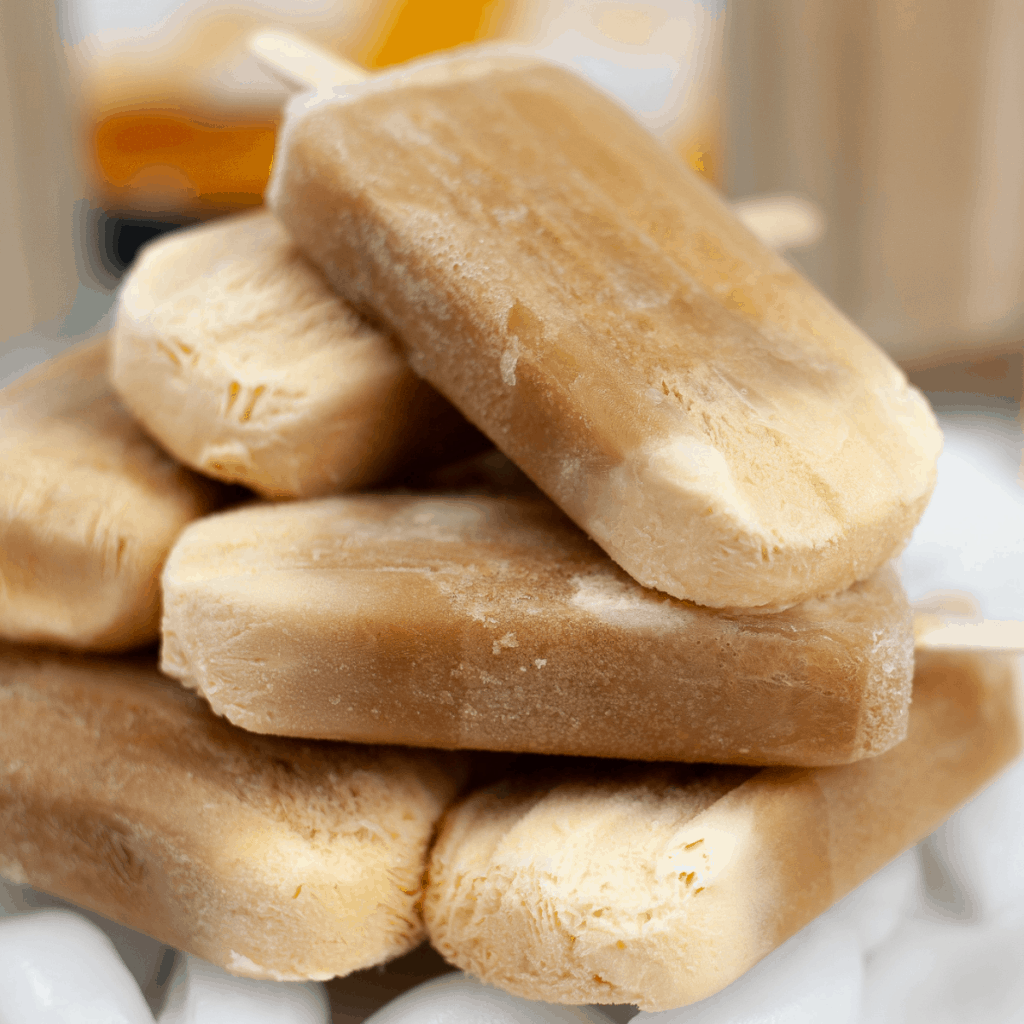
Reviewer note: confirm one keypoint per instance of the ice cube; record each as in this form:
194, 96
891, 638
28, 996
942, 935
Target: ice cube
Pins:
947, 972
814, 976
876, 907
148, 959
58, 968
199, 993
981, 850
459, 999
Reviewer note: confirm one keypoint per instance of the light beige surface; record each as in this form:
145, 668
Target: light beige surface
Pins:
476, 621
659, 885
89, 508
40, 179
905, 123
237, 355
271, 858
689, 400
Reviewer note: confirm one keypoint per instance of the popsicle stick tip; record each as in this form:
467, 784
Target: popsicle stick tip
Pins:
301, 64
782, 222
989, 634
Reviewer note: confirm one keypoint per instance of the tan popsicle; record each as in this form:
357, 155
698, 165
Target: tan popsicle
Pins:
272, 858
89, 508
468, 620
235, 353
659, 885
232, 350
690, 401
780, 221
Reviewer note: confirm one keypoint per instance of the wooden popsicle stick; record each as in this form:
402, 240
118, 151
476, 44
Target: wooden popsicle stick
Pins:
300, 64
782, 222
932, 634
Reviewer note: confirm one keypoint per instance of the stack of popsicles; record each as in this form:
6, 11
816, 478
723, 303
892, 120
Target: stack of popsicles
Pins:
677, 629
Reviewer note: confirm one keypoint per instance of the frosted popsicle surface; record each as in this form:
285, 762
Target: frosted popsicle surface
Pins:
235, 353
268, 857
473, 621
89, 508
686, 397
659, 885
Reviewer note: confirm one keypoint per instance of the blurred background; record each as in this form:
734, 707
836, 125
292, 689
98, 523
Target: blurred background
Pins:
902, 121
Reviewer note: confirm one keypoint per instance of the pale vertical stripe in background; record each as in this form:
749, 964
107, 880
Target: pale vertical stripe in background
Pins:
788, 66
920, 103
39, 179
904, 121
996, 290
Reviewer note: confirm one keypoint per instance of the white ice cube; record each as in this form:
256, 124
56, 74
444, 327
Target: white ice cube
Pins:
813, 977
876, 907
58, 968
947, 972
145, 957
981, 849
459, 999
199, 993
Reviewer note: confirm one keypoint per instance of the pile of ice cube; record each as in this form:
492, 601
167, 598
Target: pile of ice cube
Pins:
936, 936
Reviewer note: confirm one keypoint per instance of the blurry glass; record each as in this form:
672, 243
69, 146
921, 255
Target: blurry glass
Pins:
904, 121
177, 120
660, 58
39, 181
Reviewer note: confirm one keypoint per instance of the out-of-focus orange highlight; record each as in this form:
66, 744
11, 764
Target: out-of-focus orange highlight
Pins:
188, 163
416, 27
175, 164
699, 156
152, 158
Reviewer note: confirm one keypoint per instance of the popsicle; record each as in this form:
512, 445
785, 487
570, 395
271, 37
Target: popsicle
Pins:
271, 858
468, 620
89, 507
659, 885
678, 389
232, 350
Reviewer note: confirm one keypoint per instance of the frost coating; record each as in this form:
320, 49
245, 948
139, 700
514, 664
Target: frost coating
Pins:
493, 623
619, 602
660, 885
775, 453
509, 358
236, 354
199, 833
89, 508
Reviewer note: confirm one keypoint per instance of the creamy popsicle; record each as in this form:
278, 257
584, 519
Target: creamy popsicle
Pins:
467, 620
677, 388
89, 508
232, 350
271, 858
659, 885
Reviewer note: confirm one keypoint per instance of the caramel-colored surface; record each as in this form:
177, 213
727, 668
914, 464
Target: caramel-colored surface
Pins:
691, 402
238, 357
472, 621
659, 885
272, 858
89, 508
